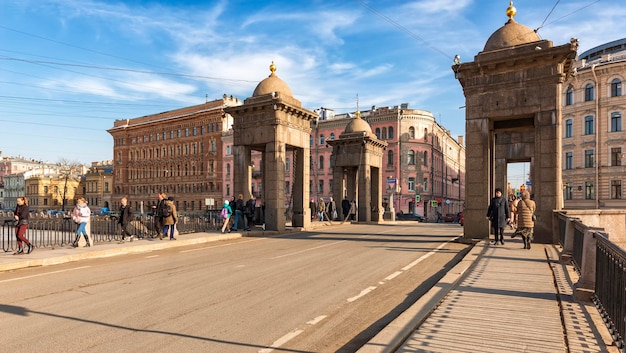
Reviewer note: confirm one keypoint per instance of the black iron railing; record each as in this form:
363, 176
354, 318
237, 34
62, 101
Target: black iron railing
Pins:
610, 289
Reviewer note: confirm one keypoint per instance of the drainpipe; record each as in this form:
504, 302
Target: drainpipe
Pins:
596, 125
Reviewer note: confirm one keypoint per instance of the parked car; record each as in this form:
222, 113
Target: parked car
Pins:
409, 217
449, 217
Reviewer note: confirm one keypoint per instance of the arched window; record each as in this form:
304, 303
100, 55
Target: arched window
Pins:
425, 159
569, 96
321, 165
228, 149
384, 135
322, 139
410, 157
589, 96
616, 122
390, 133
227, 169
332, 136
426, 134
390, 157
287, 164
377, 132
616, 87
568, 127
311, 141
411, 132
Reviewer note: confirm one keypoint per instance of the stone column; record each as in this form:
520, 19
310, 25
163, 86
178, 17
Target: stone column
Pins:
478, 190
364, 204
301, 211
377, 195
274, 172
242, 171
547, 174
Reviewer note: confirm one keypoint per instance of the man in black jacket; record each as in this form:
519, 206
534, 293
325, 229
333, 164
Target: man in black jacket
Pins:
499, 215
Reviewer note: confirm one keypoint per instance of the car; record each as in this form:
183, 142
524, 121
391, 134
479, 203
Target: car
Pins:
409, 217
449, 217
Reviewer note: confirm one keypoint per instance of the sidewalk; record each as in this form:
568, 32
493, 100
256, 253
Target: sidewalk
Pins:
499, 299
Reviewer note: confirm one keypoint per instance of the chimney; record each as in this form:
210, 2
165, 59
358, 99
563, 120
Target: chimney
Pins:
460, 140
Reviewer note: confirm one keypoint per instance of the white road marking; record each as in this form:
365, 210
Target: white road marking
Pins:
43, 274
305, 250
424, 257
363, 292
393, 275
222, 245
279, 342
316, 320
151, 256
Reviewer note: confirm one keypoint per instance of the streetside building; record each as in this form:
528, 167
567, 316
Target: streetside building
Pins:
176, 152
97, 186
422, 160
47, 191
593, 140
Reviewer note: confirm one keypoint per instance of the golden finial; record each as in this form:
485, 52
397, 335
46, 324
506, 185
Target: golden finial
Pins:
273, 67
358, 114
511, 10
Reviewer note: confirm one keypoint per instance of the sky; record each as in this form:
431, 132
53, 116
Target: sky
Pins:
70, 68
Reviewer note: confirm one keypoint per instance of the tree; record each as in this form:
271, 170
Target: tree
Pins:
67, 168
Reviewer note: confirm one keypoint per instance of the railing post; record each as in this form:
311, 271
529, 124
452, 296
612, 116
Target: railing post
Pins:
568, 246
585, 287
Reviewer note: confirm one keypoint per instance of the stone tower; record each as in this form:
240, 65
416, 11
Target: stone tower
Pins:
273, 122
513, 114
358, 157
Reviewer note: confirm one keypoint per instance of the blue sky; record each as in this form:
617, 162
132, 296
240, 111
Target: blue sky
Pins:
70, 68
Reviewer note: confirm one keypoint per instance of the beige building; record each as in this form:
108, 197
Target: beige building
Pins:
48, 191
593, 140
176, 152
97, 186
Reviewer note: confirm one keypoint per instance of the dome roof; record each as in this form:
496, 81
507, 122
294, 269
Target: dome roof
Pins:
358, 125
272, 84
511, 34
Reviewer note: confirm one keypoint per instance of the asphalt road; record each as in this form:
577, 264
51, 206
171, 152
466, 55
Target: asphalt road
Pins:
324, 291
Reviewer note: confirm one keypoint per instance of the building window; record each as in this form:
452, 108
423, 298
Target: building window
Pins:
425, 184
321, 164
425, 161
569, 96
616, 156
322, 139
228, 150
228, 169
616, 87
616, 122
320, 185
425, 135
616, 189
332, 136
589, 159
568, 128
384, 135
589, 92
311, 141
287, 164
287, 187
589, 192
411, 132
588, 125
377, 132
390, 158
411, 157
390, 133
568, 192
227, 189
569, 158
411, 184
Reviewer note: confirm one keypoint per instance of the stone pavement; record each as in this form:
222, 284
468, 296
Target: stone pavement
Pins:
497, 299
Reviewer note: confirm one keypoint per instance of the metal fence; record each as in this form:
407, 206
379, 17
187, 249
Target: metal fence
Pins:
610, 289
51, 232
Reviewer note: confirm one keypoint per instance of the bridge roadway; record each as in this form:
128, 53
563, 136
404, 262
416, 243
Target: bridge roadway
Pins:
496, 299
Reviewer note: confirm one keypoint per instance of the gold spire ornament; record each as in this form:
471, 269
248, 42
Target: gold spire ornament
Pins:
511, 10
273, 67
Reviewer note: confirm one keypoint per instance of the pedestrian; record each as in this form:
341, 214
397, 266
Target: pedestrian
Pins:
21, 215
170, 217
513, 209
226, 213
345, 207
239, 208
321, 209
249, 212
158, 217
258, 211
124, 219
81, 215
525, 223
331, 209
313, 208
498, 213
353, 210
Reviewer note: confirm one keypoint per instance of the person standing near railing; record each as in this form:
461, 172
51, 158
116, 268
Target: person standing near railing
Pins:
81, 215
124, 220
21, 225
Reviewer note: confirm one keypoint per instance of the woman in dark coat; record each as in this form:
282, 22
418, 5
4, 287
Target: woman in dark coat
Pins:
124, 220
499, 215
21, 225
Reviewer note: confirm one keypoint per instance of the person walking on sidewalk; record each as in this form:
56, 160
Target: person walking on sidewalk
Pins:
321, 208
21, 225
498, 213
226, 213
170, 217
239, 208
525, 223
124, 220
81, 215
